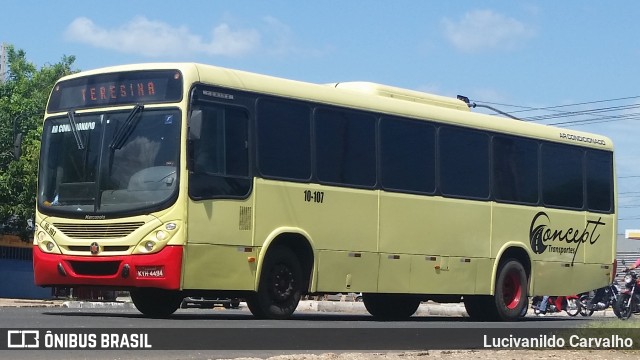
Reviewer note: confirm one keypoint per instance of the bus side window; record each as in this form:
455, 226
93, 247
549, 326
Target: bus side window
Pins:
206, 148
464, 162
345, 147
562, 176
599, 180
515, 170
284, 139
221, 154
408, 155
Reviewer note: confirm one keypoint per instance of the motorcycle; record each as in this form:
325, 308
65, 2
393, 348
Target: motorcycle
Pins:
570, 304
629, 299
609, 298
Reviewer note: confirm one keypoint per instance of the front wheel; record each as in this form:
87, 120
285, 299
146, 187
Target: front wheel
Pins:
573, 307
624, 311
280, 286
156, 303
615, 308
584, 305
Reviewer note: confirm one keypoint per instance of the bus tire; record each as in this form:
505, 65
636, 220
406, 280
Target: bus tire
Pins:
510, 294
479, 307
156, 303
390, 306
280, 286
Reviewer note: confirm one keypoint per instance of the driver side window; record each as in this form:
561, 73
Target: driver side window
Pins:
220, 166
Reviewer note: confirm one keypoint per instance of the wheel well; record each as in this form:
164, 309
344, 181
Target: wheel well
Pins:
301, 247
518, 254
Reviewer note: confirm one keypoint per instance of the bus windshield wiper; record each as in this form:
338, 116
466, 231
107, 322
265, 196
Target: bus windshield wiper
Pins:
127, 128
74, 129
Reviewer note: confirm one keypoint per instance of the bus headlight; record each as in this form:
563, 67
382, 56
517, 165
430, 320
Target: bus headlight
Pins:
47, 245
45, 242
149, 245
157, 238
161, 235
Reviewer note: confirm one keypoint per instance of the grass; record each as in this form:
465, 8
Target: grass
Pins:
614, 323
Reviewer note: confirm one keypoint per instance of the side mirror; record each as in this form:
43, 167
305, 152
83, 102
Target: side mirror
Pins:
195, 125
17, 146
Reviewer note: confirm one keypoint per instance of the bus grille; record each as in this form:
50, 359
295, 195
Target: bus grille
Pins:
104, 249
98, 231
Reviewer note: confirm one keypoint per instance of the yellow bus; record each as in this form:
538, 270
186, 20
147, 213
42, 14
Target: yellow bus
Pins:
175, 180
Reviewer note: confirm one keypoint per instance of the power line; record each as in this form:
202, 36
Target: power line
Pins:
629, 218
528, 108
595, 115
600, 120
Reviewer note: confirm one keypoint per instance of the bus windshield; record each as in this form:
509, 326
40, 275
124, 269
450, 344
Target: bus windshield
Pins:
120, 162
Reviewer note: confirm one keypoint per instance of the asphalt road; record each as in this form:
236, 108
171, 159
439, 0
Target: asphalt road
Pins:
28, 317
239, 329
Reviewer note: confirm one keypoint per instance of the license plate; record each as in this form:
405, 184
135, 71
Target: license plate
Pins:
150, 271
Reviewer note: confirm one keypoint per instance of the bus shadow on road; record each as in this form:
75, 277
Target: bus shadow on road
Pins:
197, 315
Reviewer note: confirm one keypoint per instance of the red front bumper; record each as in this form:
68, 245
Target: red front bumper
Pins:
115, 271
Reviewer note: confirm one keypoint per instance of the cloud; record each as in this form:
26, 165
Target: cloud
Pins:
484, 30
155, 38
281, 41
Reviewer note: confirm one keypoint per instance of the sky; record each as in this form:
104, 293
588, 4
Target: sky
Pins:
574, 62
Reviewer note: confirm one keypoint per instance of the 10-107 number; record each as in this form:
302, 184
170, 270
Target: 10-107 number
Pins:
314, 196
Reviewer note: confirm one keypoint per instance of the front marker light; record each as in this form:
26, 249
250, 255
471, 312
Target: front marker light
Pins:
161, 235
171, 226
41, 236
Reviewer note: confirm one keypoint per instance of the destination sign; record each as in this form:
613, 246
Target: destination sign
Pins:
135, 87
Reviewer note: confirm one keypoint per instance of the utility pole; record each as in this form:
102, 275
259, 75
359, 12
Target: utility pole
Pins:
3, 63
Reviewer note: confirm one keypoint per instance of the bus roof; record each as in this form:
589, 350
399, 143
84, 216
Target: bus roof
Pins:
371, 97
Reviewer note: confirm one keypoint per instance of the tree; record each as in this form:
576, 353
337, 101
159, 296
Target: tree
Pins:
23, 98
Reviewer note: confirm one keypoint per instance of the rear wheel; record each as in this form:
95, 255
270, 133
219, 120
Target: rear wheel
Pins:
390, 306
280, 286
510, 293
156, 303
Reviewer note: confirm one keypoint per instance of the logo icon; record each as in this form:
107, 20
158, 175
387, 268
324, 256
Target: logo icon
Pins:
23, 339
94, 248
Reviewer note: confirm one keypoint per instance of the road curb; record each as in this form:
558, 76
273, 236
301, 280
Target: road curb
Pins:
28, 303
97, 305
425, 309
